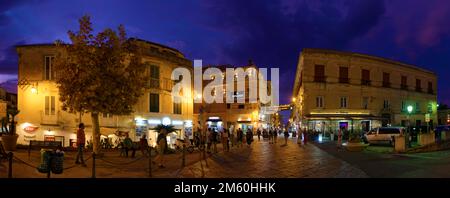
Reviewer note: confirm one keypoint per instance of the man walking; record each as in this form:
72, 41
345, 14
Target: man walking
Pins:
81, 139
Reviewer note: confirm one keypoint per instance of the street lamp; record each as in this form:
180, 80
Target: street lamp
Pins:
293, 99
409, 109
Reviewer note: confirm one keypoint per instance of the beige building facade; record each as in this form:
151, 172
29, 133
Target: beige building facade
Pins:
225, 116
41, 116
336, 90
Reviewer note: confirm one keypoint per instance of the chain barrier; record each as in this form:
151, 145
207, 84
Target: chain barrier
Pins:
121, 164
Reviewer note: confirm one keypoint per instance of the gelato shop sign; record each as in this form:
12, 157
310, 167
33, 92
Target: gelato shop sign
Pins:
29, 128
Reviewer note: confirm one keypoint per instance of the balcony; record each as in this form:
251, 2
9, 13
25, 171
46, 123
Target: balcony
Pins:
50, 118
344, 80
386, 84
365, 82
163, 84
405, 87
321, 79
418, 89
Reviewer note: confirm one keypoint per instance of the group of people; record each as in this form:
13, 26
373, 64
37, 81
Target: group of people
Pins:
125, 146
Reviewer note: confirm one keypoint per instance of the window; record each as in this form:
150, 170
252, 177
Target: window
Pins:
430, 87
343, 75
365, 102
365, 77
417, 107
386, 104
404, 84
386, 80
177, 108
403, 105
107, 115
319, 101
50, 106
430, 108
228, 106
48, 63
319, 73
154, 103
344, 102
154, 77
418, 85
241, 106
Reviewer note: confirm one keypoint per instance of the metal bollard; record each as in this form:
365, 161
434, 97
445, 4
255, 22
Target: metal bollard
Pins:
49, 167
10, 159
93, 165
183, 162
149, 161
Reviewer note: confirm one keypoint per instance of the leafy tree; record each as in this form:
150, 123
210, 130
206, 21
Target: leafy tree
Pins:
101, 73
169, 128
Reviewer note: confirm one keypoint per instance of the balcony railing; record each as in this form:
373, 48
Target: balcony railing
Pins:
386, 84
320, 78
418, 89
163, 84
404, 87
365, 82
344, 80
50, 119
430, 91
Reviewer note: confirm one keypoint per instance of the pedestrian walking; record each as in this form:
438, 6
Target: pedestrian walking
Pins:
143, 144
249, 137
339, 143
226, 146
275, 135
286, 136
128, 143
162, 145
259, 134
81, 139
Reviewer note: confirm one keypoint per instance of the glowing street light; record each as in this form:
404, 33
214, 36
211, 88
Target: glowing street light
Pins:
293, 99
409, 108
34, 90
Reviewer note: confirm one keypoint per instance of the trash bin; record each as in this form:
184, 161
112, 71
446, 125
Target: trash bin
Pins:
46, 156
57, 164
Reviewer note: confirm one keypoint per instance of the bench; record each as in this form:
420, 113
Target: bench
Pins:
34, 144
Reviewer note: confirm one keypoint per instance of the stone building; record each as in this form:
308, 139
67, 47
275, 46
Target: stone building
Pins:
354, 91
42, 118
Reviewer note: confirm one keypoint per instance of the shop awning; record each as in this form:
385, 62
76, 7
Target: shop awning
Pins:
344, 116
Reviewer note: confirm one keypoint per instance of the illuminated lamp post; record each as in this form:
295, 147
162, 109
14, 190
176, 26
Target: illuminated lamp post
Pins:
409, 109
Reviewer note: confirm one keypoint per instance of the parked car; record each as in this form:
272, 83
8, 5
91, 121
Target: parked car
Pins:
442, 128
384, 135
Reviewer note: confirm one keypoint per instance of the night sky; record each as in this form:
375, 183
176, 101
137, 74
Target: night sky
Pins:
271, 33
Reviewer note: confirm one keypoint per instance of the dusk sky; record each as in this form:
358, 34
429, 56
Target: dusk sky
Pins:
271, 33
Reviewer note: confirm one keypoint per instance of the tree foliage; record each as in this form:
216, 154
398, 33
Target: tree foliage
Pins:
100, 73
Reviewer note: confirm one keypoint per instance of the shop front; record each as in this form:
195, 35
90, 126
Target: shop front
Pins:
183, 129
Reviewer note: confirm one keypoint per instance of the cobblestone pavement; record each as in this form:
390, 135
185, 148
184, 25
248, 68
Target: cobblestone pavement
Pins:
264, 160
261, 160
387, 165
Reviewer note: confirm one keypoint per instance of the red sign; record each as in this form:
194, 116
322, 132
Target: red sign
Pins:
30, 129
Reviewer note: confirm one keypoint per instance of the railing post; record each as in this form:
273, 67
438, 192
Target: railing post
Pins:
10, 159
149, 161
49, 166
183, 162
93, 164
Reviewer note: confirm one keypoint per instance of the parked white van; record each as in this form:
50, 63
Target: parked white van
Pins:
384, 134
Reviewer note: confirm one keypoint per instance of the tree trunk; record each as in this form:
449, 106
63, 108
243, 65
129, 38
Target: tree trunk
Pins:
95, 133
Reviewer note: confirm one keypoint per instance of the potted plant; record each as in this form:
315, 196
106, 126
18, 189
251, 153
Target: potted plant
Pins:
355, 142
9, 138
